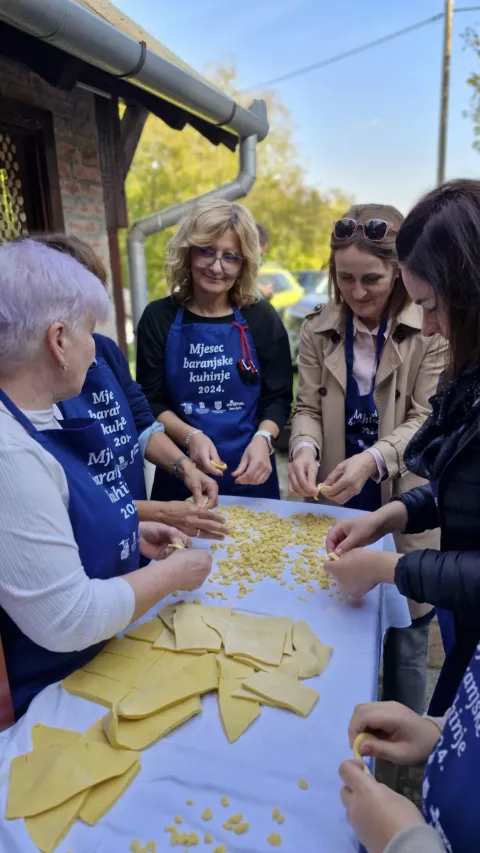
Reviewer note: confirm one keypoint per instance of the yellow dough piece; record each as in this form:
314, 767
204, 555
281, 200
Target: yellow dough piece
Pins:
207, 814
225, 801
95, 688
190, 802
176, 546
167, 613
241, 828
151, 847
101, 798
147, 632
140, 734
170, 664
166, 640
119, 668
204, 672
276, 813
241, 693
304, 639
45, 778
230, 668
135, 846
333, 556
191, 632
220, 466
290, 667
190, 500
49, 828
218, 618
143, 703
283, 691
44, 736
236, 714
303, 784
127, 648
306, 663
207, 838
250, 638
360, 738
236, 818
220, 849
275, 839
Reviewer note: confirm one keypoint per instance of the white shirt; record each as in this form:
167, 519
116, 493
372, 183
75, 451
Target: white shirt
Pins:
43, 585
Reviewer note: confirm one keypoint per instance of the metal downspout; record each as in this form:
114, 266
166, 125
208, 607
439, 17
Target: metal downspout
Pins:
157, 222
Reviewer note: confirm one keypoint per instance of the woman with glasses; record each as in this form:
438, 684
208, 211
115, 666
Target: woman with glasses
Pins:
213, 357
366, 374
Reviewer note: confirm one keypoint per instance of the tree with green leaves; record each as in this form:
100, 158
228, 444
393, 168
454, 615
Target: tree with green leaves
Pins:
472, 40
170, 167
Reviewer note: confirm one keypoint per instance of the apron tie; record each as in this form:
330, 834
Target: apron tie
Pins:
245, 365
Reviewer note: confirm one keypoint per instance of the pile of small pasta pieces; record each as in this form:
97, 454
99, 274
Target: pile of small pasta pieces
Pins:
262, 544
151, 681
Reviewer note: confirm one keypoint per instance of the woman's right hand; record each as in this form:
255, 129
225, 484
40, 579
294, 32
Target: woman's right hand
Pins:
399, 735
189, 518
302, 473
202, 451
366, 529
186, 570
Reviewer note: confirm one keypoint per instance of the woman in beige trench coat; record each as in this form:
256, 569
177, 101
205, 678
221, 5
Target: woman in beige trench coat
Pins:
371, 318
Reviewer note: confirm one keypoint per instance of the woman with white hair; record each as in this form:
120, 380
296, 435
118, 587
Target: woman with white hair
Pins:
213, 357
69, 533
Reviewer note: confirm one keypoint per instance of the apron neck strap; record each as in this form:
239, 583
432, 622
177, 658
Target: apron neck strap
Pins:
17, 413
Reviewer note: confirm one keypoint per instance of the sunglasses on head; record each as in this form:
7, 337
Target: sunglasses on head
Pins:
374, 230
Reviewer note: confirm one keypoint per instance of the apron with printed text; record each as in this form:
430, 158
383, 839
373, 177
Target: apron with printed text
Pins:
208, 390
105, 526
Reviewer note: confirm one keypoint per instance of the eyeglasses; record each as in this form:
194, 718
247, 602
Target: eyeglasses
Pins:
374, 230
203, 256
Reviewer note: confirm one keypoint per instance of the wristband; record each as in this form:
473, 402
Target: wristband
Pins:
176, 465
190, 435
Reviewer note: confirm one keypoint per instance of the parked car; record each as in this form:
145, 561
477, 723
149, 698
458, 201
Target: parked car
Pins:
279, 286
295, 314
308, 279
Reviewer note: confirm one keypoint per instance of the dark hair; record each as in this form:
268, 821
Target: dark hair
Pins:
440, 243
77, 249
384, 249
262, 235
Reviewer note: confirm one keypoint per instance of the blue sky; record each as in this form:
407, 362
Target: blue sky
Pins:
367, 125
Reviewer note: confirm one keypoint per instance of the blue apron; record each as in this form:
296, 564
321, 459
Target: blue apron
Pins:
450, 786
105, 526
102, 398
361, 418
206, 390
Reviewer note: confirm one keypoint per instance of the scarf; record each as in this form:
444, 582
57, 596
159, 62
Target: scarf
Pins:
455, 408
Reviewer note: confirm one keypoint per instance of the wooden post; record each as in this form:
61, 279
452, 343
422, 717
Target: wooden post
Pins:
446, 59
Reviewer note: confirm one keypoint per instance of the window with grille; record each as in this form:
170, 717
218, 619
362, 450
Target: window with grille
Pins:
29, 188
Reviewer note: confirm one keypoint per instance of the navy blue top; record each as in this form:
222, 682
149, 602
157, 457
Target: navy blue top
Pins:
113, 355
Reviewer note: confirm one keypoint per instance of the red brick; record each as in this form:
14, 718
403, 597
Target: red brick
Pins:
90, 209
64, 169
86, 173
90, 157
94, 192
82, 226
71, 188
68, 152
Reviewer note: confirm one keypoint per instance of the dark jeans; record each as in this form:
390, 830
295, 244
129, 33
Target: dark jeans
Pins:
405, 665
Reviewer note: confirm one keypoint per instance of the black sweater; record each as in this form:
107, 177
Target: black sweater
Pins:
268, 334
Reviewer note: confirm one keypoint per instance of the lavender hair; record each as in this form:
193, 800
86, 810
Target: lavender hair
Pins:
39, 286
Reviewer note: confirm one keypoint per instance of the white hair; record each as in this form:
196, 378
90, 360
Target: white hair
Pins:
40, 286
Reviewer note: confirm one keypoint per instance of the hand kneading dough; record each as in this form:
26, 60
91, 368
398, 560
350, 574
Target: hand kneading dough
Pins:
236, 715
96, 688
283, 691
140, 734
45, 778
146, 632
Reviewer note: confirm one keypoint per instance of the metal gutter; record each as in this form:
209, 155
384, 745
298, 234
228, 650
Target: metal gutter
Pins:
157, 222
83, 34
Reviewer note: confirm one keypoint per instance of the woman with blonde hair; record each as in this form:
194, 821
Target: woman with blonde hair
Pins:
213, 357
366, 373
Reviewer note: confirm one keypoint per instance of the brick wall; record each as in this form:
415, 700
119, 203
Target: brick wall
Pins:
77, 154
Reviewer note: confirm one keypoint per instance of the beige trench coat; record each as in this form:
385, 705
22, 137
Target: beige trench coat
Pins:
407, 376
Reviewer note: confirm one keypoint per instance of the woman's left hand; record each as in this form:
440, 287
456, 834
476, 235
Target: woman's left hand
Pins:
376, 813
255, 466
156, 539
349, 477
200, 485
360, 570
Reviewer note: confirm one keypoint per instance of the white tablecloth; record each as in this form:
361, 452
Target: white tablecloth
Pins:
262, 769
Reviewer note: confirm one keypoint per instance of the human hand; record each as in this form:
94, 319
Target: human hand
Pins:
349, 477
188, 518
255, 466
400, 735
156, 539
186, 570
376, 813
202, 487
361, 570
202, 452
302, 473
366, 529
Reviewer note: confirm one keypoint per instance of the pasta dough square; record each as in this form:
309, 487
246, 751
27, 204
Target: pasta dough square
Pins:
142, 703
236, 715
49, 828
146, 631
127, 648
255, 638
140, 734
102, 798
191, 632
119, 668
95, 688
283, 691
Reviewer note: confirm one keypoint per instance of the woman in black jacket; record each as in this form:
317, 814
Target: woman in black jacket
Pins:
439, 252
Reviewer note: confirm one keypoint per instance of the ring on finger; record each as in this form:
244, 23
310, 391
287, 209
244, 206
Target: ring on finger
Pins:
197, 534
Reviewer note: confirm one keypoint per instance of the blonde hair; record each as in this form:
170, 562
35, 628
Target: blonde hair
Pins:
205, 224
